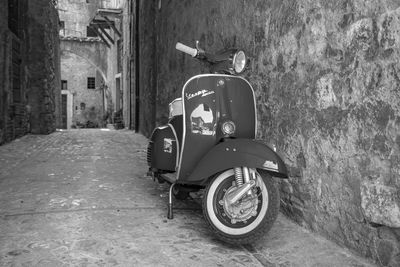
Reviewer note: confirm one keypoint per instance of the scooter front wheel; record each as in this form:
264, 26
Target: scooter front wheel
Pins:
245, 220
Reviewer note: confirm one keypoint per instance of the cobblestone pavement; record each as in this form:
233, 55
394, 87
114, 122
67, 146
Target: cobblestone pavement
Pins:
81, 198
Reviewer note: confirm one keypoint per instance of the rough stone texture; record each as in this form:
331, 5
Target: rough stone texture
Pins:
43, 67
4, 86
144, 66
380, 204
37, 111
326, 79
91, 50
13, 118
76, 15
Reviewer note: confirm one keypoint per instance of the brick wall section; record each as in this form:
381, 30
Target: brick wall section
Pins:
326, 79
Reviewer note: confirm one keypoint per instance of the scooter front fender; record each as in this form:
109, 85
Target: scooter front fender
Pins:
236, 153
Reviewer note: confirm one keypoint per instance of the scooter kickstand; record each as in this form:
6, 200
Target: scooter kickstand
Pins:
170, 215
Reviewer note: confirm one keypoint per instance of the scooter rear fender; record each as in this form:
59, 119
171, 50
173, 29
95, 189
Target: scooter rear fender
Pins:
235, 153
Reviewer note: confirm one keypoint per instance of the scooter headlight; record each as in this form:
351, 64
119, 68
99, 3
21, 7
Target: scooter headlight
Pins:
228, 127
239, 61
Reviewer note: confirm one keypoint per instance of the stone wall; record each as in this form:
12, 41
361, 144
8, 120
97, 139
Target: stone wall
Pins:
76, 15
326, 77
148, 69
4, 84
43, 67
36, 110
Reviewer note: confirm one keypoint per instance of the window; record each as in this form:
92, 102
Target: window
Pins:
83, 106
64, 85
90, 32
91, 83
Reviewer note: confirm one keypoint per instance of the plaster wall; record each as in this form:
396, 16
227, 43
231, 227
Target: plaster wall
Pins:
76, 15
87, 103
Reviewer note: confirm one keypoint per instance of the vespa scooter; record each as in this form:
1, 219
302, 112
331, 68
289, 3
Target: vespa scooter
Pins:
209, 143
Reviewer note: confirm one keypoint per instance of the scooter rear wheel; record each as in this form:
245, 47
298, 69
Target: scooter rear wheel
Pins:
246, 220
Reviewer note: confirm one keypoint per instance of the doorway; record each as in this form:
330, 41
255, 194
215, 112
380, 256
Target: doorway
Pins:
64, 117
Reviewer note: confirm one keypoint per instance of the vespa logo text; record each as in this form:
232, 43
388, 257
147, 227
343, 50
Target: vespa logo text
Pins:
201, 93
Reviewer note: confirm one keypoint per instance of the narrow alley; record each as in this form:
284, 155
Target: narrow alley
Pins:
82, 198
230, 93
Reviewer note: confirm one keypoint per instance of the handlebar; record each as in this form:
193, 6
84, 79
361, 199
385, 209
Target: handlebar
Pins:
221, 62
186, 49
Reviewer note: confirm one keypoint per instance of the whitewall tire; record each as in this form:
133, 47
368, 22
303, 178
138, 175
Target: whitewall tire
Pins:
246, 221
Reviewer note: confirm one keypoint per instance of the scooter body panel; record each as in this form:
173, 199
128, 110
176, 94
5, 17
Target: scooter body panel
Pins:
208, 100
163, 149
234, 153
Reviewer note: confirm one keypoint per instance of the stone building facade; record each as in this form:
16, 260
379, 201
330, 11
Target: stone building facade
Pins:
84, 66
99, 32
326, 78
30, 68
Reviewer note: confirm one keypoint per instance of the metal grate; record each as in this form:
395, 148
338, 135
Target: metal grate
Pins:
91, 83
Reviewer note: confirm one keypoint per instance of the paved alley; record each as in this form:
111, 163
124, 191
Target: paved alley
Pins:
82, 198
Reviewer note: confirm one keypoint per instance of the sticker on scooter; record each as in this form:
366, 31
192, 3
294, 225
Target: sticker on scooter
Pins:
201, 93
202, 120
168, 145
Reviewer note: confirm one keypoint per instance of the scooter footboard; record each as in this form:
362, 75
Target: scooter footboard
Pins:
238, 152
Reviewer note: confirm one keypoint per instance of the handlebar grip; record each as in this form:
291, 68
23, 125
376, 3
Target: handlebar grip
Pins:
186, 49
